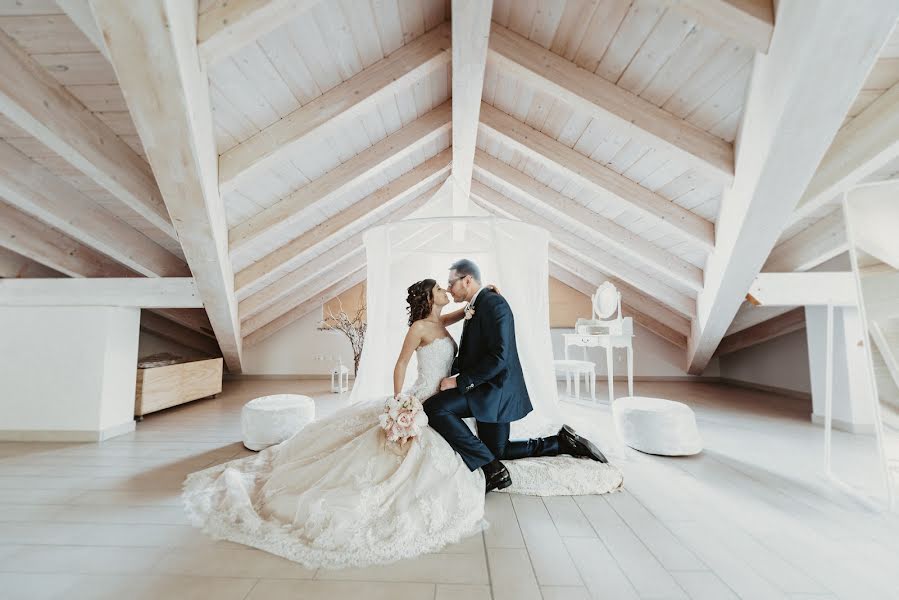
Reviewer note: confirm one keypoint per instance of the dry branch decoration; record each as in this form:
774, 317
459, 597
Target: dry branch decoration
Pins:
353, 328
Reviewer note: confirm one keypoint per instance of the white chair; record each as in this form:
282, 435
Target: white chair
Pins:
657, 426
575, 369
270, 420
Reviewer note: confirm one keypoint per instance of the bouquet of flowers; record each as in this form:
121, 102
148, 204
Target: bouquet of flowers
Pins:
403, 418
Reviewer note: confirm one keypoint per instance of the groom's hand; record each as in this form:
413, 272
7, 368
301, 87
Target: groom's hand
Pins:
447, 383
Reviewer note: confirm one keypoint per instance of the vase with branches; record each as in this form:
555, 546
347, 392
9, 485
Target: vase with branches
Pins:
353, 327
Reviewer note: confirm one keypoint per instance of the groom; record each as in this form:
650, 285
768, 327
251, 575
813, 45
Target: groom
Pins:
487, 384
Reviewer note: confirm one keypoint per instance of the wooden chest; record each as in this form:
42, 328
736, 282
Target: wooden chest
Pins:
171, 385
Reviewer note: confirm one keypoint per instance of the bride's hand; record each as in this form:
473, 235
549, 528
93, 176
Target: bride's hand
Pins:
494, 288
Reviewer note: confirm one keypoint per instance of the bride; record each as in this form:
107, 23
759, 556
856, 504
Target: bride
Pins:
339, 494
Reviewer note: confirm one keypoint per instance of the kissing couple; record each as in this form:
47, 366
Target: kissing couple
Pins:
339, 493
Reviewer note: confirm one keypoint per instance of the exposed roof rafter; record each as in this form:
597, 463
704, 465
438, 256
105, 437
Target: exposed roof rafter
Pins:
153, 46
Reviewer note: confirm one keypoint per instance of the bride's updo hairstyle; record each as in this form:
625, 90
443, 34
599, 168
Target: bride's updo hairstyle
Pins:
420, 299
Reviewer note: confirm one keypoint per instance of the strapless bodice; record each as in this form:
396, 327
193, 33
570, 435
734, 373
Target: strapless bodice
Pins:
435, 360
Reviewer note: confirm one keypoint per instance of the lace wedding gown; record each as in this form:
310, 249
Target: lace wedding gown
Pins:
338, 494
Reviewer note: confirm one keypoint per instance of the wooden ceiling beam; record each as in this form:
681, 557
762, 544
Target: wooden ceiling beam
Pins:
865, 144
676, 271
603, 100
278, 221
313, 302
787, 322
158, 325
324, 287
41, 243
140, 292
337, 272
289, 257
340, 105
14, 265
587, 288
38, 192
611, 186
229, 25
79, 11
293, 281
810, 247
470, 32
34, 101
750, 22
497, 203
800, 94
153, 46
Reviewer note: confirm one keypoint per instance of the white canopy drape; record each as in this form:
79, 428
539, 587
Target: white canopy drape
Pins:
510, 254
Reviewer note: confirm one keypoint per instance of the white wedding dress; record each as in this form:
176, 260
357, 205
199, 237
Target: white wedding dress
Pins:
338, 494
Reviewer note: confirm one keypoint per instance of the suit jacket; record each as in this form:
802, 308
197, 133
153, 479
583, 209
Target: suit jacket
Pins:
489, 371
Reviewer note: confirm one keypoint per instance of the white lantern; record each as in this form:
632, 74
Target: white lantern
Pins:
340, 378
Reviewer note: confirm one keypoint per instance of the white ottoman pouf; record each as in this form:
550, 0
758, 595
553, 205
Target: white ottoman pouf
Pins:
657, 426
270, 420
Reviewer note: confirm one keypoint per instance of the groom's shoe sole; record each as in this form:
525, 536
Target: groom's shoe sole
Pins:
594, 452
499, 484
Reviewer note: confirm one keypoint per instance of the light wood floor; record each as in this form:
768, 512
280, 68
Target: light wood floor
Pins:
751, 517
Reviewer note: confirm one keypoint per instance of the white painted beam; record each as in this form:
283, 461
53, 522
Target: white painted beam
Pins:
41, 243
38, 192
80, 13
803, 289
470, 31
610, 185
791, 320
325, 287
289, 257
140, 292
164, 328
154, 48
337, 272
314, 302
229, 25
864, 145
282, 218
497, 203
750, 22
339, 105
811, 247
622, 241
558, 78
38, 104
293, 281
799, 94
14, 265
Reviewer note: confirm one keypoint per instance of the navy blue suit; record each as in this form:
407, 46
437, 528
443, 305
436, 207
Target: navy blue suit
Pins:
490, 388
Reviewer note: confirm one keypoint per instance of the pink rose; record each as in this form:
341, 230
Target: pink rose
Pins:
405, 420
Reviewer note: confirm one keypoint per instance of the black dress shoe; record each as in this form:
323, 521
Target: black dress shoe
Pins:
496, 476
575, 445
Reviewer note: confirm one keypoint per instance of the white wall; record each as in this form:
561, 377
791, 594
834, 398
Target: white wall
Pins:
67, 373
782, 362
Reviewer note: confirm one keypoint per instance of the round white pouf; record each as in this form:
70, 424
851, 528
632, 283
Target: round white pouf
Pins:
657, 426
270, 420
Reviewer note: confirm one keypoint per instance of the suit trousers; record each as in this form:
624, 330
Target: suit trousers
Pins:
445, 412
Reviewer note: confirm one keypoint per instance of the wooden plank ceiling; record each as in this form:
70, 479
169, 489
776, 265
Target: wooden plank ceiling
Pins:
611, 123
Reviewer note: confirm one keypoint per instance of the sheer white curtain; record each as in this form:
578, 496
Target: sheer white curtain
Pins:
511, 254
